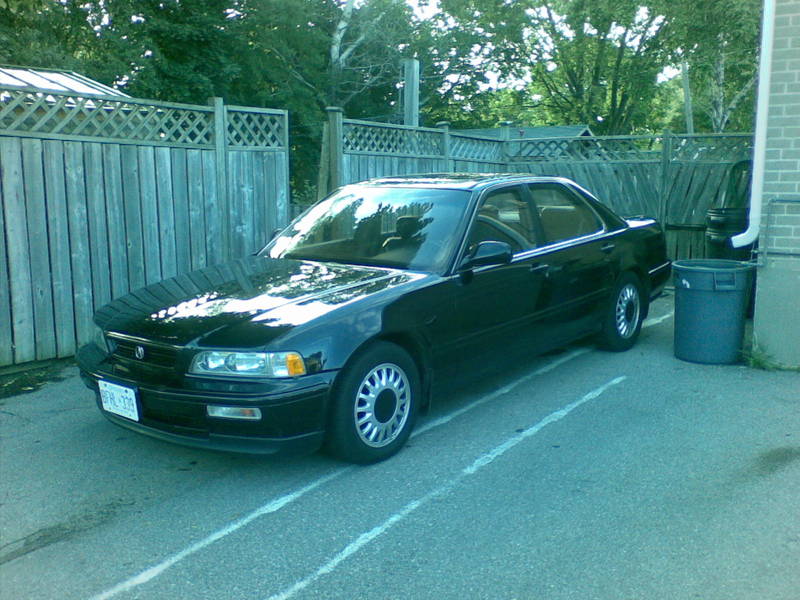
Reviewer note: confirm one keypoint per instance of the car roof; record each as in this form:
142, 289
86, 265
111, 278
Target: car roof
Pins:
456, 181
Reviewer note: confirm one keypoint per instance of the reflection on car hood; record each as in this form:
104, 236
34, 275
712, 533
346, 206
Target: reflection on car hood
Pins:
252, 300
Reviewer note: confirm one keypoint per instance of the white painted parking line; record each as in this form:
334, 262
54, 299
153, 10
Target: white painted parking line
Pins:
364, 539
274, 505
499, 392
477, 465
270, 507
657, 320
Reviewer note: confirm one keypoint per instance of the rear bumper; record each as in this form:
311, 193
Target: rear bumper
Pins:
292, 412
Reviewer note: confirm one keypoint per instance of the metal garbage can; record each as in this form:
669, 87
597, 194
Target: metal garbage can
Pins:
711, 298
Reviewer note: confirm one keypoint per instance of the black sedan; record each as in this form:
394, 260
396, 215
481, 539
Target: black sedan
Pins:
332, 334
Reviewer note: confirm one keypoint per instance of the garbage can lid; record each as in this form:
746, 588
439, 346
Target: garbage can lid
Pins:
708, 265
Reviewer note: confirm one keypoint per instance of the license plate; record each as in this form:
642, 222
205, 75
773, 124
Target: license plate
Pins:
119, 400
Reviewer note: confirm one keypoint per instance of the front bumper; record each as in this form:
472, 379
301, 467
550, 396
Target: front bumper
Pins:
292, 411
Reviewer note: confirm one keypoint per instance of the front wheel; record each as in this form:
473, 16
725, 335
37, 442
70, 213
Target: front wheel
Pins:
374, 405
622, 320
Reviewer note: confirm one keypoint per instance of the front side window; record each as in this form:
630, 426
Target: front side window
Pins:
406, 228
504, 216
563, 215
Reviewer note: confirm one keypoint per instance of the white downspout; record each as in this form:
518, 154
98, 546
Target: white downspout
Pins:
760, 142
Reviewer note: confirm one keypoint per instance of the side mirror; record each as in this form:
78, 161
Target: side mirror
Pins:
487, 253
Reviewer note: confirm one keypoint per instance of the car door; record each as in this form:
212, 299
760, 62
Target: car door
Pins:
501, 300
580, 254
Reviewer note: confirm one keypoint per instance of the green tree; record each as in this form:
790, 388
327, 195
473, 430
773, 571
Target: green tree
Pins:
309, 54
183, 50
598, 64
591, 62
459, 62
301, 55
60, 35
719, 41
334, 53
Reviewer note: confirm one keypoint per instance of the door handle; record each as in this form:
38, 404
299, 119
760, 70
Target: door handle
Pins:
540, 268
608, 248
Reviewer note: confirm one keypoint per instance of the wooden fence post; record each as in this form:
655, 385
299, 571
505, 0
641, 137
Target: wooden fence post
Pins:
287, 177
666, 158
411, 92
335, 146
448, 159
221, 168
506, 141
323, 177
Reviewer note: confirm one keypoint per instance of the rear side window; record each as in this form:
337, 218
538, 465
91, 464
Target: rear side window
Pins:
562, 214
505, 215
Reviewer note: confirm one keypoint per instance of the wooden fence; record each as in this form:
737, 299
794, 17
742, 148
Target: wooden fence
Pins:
101, 195
675, 178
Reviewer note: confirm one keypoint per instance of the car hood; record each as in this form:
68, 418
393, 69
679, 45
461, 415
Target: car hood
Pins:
244, 303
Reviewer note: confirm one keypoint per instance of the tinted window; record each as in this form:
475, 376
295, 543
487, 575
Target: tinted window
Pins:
505, 216
562, 214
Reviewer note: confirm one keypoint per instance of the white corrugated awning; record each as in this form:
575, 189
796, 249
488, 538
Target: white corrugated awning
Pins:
55, 81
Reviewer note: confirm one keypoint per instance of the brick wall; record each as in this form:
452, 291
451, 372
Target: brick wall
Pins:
782, 176
781, 229
777, 318
781, 220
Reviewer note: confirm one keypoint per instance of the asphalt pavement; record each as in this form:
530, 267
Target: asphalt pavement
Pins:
576, 475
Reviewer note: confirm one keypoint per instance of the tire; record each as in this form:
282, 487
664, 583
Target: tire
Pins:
623, 316
374, 405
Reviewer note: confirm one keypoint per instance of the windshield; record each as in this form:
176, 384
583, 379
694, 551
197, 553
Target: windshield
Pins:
404, 228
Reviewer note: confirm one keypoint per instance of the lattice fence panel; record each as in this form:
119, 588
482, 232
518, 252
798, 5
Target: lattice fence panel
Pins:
716, 148
376, 139
28, 111
470, 148
256, 129
634, 148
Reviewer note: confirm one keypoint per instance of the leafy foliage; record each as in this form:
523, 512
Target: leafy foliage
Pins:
597, 62
589, 62
310, 54
535, 62
719, 40
184, 51
59, 35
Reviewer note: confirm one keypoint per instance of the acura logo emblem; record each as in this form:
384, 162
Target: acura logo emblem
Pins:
139, 352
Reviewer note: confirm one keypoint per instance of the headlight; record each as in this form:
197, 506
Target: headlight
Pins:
248, 364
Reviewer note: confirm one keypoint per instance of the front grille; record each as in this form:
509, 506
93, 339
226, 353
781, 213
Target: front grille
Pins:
153, 354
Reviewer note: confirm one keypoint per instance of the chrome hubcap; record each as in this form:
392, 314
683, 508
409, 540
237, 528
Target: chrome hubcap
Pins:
382, 405
627, 310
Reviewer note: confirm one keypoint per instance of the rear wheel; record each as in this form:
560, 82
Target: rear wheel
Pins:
374, 405
623, 317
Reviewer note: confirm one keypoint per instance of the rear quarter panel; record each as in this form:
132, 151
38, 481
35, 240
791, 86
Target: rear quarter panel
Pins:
647, 249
